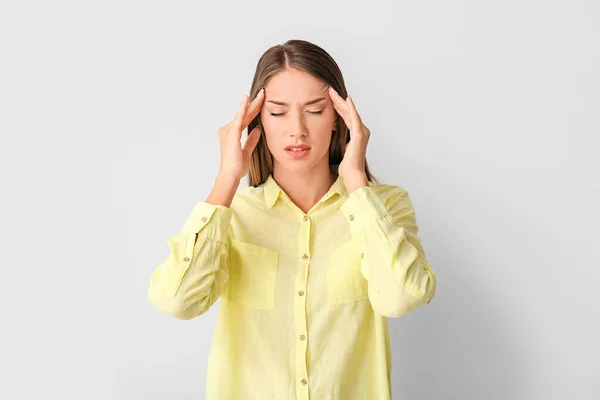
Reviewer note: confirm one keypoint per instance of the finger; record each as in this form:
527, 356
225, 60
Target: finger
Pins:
252, 140
239, 115
356, 120
341, 107
254, 108
344, 115
341, 110
346, 120
337, 99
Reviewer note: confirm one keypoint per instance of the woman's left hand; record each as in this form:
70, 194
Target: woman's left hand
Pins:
352, 167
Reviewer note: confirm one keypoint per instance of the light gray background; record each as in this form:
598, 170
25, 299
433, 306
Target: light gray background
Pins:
485, 112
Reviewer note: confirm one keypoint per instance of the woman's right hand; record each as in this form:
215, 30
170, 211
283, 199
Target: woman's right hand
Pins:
235, 160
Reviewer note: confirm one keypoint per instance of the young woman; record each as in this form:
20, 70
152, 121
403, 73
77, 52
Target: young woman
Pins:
311, 258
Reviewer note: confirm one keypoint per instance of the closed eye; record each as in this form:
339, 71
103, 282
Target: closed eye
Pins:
312, 112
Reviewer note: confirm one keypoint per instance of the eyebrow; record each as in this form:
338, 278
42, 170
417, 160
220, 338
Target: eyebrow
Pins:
281, 103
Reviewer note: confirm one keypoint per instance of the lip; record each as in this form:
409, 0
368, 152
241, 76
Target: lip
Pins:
297, 154
297, 146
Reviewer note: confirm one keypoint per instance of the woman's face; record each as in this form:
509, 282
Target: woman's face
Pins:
306, 118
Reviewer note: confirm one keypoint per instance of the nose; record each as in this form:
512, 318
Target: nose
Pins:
298, 128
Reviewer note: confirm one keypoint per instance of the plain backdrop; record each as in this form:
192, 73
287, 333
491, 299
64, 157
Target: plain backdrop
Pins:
487, 113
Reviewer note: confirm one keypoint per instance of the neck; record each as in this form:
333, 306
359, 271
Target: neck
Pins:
305, 189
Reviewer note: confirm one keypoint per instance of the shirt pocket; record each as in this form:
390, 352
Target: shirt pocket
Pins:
345, 283
252, 275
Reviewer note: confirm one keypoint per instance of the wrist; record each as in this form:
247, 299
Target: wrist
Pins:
354, 182
227, 179
223, 190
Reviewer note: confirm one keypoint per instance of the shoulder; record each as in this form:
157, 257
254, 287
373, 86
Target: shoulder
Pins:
250, 195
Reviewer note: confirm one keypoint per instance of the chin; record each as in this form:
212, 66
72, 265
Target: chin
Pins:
299, 166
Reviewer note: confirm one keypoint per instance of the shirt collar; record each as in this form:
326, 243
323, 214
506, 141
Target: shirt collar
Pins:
272, 190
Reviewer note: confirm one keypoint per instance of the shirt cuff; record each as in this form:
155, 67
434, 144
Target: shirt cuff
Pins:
364, 205
211, 219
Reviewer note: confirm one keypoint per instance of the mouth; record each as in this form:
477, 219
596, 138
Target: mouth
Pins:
297, 151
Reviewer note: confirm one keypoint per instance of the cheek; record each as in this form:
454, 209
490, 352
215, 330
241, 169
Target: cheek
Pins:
275, 142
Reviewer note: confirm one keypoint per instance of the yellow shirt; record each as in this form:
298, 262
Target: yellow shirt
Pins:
304, 297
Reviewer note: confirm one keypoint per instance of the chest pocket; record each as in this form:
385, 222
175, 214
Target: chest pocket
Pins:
252, 275
345, 283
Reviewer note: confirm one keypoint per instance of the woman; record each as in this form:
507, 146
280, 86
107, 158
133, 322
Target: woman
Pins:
311, 258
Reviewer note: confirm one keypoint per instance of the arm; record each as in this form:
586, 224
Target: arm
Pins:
191, 279
394, 262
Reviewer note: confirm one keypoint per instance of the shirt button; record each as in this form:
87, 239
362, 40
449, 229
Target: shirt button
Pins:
304, 381
302, 337
351, 217
300, 292
306, 217
305, 257
362, 255
186, 259
203, 219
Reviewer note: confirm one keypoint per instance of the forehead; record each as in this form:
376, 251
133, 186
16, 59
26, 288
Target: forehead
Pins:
294, 86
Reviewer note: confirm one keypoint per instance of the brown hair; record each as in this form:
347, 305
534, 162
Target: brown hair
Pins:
312, 59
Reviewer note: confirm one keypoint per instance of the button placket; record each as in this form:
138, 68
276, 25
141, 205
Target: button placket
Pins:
304, 263
203, 220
